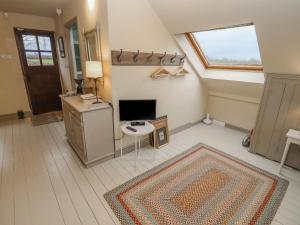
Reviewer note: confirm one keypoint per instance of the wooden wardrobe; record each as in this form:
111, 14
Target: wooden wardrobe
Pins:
279, 111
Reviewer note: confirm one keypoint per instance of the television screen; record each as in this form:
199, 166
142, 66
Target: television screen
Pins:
137, 110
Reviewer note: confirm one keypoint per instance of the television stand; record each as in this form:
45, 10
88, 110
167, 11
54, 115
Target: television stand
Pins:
137, 123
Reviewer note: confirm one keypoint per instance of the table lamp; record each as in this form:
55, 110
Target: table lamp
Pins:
94, 71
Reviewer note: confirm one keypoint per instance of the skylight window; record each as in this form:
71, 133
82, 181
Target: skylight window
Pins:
228, 48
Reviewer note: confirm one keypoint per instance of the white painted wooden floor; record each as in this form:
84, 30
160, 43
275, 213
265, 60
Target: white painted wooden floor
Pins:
43, 182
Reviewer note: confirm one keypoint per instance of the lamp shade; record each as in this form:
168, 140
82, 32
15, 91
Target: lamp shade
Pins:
93, 69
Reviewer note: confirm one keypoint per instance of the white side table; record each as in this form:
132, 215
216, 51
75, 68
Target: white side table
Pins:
141, 131
293, 136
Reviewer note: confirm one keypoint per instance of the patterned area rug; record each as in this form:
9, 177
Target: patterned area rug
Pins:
200, 186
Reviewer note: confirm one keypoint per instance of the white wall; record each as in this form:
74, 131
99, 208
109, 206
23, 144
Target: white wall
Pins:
88, 14
234, 102
236, 112
233, 109
233, 96
134, 25
12, 88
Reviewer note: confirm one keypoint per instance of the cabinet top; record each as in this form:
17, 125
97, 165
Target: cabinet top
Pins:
79, 106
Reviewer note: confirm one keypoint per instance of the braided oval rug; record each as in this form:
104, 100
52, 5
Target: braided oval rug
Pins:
200, 186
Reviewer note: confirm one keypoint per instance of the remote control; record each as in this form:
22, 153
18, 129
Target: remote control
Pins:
137, 123
131, 129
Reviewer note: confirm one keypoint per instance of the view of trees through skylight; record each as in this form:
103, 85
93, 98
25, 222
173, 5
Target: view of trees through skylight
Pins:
230, 46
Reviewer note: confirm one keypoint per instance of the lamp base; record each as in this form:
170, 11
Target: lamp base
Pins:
97, 101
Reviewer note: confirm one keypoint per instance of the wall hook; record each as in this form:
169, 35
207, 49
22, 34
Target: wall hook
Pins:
162, 58
149, 58
119, 56
172, 59
182, 59
135, 57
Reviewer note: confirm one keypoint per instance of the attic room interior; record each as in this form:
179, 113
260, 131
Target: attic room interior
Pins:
149, 112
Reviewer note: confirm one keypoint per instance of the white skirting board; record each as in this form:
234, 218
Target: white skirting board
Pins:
219, 123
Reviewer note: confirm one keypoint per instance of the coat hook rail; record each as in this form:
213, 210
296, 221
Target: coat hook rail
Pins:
135, 57
173, 58
138, 58
149, 58
119, 56
182, 59
162, 58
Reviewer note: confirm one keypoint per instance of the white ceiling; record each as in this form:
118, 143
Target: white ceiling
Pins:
35, 7
277, 24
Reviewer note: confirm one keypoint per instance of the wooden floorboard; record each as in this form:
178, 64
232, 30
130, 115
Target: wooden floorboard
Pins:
7, 207
81, 174
21, 191
42, 181
46, 208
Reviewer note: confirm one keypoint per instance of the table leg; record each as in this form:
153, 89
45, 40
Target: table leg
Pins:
139, 149
154, 149
122, 145
136, 152
286, 150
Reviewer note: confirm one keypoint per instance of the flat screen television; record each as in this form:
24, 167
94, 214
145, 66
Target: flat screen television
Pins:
136, 110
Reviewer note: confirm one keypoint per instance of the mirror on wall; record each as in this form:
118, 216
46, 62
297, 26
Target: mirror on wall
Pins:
92, 44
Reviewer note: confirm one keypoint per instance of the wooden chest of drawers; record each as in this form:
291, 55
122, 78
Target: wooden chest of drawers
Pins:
89, 129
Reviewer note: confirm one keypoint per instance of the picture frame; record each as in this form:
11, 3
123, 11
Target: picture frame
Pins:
160, 136
61, 47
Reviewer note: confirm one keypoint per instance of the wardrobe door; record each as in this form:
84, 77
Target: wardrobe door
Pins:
278, 135
270, 108
290, 121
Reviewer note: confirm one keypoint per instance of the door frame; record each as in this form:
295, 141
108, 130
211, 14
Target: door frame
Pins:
22, 59
67, 27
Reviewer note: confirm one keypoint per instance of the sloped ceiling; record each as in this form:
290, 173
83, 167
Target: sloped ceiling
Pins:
277, 24
34, 7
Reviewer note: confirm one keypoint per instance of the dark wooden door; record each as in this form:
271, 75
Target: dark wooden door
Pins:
40, 68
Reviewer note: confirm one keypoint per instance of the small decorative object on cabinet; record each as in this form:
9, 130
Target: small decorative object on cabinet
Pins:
161, 132
79, 89
88, 98
89, 129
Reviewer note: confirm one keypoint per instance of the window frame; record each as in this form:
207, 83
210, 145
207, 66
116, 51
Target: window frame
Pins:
39, 51
192, 40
